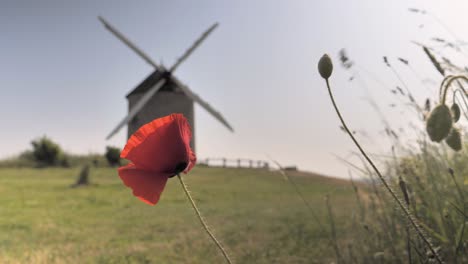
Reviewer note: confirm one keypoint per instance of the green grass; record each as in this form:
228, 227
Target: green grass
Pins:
255, 214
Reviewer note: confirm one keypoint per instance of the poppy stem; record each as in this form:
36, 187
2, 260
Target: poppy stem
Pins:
202, 221
299, 193
413, 221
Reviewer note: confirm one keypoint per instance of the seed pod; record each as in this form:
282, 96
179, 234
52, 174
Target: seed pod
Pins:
439, 123
455, 112
325, 66
454, 139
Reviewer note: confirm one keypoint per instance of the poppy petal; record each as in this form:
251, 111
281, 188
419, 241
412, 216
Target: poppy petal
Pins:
192, 161
146, 185
186, 134
161, 145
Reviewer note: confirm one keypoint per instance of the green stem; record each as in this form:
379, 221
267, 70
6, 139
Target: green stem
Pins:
442, 85
463, 101
405, 210
299, 193
202, 221
333, 229
449, 82
304, 200
462, 198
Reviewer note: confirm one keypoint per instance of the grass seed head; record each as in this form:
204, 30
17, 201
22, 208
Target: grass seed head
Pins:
439, 123
325, 66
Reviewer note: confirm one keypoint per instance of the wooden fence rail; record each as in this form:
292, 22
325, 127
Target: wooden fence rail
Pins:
235, 163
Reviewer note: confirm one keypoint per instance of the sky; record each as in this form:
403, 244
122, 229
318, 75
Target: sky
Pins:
63, 75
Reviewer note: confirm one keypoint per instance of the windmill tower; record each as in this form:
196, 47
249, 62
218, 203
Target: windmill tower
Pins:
169, 99
161, 93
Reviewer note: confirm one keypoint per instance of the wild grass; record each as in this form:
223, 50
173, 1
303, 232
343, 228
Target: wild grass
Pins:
419, 194
435, 196
255, 214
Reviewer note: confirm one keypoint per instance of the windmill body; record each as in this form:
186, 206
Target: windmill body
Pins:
168, 99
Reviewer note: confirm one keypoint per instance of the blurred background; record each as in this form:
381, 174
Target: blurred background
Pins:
63, 75
63, 82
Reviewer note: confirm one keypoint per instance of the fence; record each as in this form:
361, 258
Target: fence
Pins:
235, 163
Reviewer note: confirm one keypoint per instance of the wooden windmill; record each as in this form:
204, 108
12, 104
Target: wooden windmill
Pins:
161, 93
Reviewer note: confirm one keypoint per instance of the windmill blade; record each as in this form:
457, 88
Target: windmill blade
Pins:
202, 103
127, 42
139, 105
193, 47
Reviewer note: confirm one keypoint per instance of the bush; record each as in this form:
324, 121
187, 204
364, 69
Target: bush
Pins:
23, 160
48, 153
113, 156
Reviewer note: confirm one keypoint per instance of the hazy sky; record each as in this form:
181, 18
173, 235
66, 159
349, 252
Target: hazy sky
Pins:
63, 75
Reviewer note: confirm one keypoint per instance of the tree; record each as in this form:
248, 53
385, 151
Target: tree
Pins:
47, 153
113, 156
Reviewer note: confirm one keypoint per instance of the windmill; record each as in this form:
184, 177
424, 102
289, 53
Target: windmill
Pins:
161, 93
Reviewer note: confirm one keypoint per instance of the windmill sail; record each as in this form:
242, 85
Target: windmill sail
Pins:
193, 47
139, 105
203, 104
127, 42
150, 93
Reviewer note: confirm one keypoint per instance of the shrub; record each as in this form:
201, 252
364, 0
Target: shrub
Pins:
113, 156
47, 153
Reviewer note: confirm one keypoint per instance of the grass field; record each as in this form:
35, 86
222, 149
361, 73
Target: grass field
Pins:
256, 214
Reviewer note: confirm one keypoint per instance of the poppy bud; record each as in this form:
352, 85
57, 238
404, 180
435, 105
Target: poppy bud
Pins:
454, 139
325, 66
455, 112
439, 123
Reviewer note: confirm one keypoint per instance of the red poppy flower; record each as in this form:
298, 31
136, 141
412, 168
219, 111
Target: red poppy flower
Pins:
157, 151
